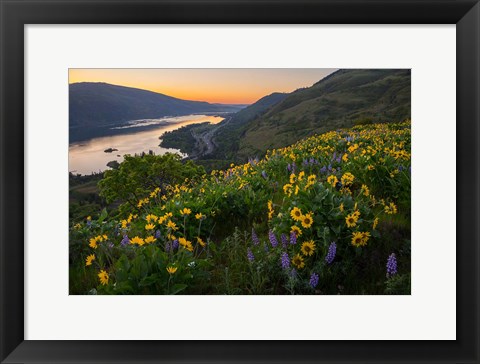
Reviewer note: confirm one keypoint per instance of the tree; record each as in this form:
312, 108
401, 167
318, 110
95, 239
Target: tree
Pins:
139, 175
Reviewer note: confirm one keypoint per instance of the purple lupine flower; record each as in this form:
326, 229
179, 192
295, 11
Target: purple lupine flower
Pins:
168, 246
158, 234
110, 245
272, 238
289, 167
255, 238
175, 244
329, 168
293, 273
323, 170
332, 250
391, 265
264, 175
293, 238
285, 260
125, 240
294, 167
250, 255
334, 155
313, 161
284, 240
314, 280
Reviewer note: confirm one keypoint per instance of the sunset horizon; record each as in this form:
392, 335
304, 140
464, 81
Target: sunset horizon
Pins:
223, 86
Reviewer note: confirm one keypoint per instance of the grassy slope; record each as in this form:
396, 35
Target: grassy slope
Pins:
342, 99
227, 138
238, 197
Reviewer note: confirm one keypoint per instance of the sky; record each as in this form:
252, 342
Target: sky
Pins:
221, 85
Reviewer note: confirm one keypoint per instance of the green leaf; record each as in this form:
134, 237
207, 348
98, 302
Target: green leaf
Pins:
375, 234
103, 215
149, 280
178, 288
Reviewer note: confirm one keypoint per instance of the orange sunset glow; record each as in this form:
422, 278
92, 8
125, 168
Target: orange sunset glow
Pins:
228, 86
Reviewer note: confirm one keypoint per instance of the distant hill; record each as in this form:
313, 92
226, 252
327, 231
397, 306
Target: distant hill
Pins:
342, 99
228, 135
99, 105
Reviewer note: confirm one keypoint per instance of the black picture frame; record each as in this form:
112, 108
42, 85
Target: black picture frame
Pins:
15, 14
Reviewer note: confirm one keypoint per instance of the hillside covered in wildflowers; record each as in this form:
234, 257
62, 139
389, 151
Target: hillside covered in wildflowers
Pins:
329, 214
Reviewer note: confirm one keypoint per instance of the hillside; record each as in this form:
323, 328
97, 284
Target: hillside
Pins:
327, 215
227, 136
342, 99
97, 105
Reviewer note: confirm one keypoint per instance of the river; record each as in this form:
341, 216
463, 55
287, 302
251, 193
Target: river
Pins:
89, 156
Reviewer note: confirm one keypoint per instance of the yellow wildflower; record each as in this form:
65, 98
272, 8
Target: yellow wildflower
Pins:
172, 225
200, 241
89, 260
93, 243
347, 178
185, 243
307, 220
351, 220
171, 270
365, 237
357, 239
150, 239
103, 276
333, 180
149, 227
295, 229
390, 209
185, 212
270, 209
365, 190
287, 189
137, 240
298, 262
296, 214
293, 178
360, 238
151, 217
308, 248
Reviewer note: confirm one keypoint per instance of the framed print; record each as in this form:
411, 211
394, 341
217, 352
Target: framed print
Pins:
247, 181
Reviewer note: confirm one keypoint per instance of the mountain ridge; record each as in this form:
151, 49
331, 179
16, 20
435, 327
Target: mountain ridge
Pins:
97, 104
344, 98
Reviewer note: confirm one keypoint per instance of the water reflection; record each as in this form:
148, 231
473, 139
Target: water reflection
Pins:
89, 156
